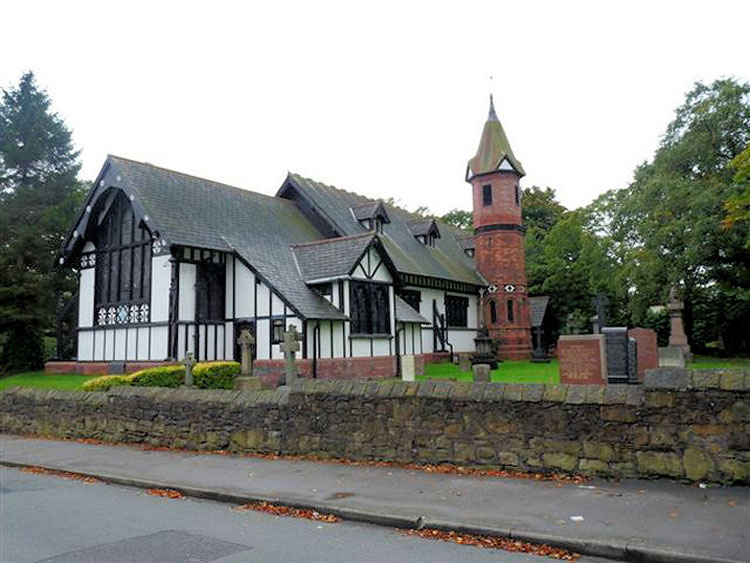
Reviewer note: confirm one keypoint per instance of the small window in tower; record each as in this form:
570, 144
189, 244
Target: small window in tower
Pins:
493, 312
518, 195
510, 311
487, 195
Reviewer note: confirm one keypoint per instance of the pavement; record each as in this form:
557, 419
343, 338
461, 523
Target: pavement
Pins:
629, 520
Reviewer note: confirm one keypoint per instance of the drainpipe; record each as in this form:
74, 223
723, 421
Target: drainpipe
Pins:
316, 339
399, 329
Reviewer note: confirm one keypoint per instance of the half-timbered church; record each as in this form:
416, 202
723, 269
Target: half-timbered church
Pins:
170, 263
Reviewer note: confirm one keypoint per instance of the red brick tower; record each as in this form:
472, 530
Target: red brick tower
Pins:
499, 251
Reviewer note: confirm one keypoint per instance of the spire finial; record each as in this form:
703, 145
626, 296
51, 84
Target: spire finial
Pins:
492, 116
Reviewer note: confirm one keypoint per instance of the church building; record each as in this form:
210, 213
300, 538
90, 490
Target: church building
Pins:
171, 264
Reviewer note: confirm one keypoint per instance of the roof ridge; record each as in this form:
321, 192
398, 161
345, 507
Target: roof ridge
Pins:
330, 240
201, 178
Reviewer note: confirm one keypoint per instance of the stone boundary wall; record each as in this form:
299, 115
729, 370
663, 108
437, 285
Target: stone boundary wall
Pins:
692, 425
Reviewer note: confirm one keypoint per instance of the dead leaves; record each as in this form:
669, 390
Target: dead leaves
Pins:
61, 474
166, 493
439, 469
492, 542
280, 510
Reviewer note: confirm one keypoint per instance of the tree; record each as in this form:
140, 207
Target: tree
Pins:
39, 195
669, 225
459, 218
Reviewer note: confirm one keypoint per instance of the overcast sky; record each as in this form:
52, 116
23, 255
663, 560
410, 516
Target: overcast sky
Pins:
385, 99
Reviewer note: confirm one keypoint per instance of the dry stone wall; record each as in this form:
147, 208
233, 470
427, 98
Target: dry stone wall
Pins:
692, 425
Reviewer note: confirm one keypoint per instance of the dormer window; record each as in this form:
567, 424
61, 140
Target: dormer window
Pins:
425, 231
372, 215
467, 244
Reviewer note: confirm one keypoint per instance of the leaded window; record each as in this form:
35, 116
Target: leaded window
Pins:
370, 309
210, 284
123, 266
456, 311
412, 297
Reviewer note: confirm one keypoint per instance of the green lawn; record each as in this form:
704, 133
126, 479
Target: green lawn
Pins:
707, 362
39, 380
509, 371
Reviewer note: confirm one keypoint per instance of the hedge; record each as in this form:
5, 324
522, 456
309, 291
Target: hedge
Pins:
207, 375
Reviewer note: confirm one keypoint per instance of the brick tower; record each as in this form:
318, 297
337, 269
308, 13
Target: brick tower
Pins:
494, 173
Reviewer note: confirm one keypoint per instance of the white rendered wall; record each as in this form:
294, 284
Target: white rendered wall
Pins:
186, 308
161, 277
244, 292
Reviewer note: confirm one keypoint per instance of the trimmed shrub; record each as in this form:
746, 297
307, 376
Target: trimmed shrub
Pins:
106, 382
160, 376
206, 375
216, 375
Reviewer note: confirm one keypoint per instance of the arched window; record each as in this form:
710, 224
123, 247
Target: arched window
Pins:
123, 266
510, 311
493, 312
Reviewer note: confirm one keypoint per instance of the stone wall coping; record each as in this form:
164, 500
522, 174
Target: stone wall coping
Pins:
656, 380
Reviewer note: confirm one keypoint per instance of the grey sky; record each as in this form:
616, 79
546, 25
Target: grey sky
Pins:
385, 99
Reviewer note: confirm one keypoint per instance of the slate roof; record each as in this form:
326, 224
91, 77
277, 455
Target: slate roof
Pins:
405, 313
192, 211
445, 260
493, 148
330, 258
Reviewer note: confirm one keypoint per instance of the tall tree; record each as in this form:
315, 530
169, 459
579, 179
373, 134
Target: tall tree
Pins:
39, 194
669, 224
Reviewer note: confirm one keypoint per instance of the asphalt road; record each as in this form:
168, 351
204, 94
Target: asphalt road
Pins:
46, 518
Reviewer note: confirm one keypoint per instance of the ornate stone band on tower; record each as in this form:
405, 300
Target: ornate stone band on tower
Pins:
494, 174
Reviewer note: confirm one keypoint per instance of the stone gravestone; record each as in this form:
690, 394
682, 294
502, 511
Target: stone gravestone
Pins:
481, 372
632, 360
290, 347
189, 362
408, 367
583, 359
464, 363
677, 336
647, 351
246, 381
616, 343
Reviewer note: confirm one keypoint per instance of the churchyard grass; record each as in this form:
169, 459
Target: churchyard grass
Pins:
40, 381
510, 371
707, 362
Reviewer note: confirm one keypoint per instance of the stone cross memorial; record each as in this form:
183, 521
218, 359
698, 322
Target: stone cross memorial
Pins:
189, 362
601, 303
246, 343
290, 347
246, 381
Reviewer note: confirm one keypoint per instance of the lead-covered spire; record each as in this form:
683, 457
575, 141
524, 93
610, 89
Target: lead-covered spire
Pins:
494, 152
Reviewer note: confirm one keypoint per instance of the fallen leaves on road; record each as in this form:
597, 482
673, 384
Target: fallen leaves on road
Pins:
280, 510
166, 493
61, 474
492, 542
